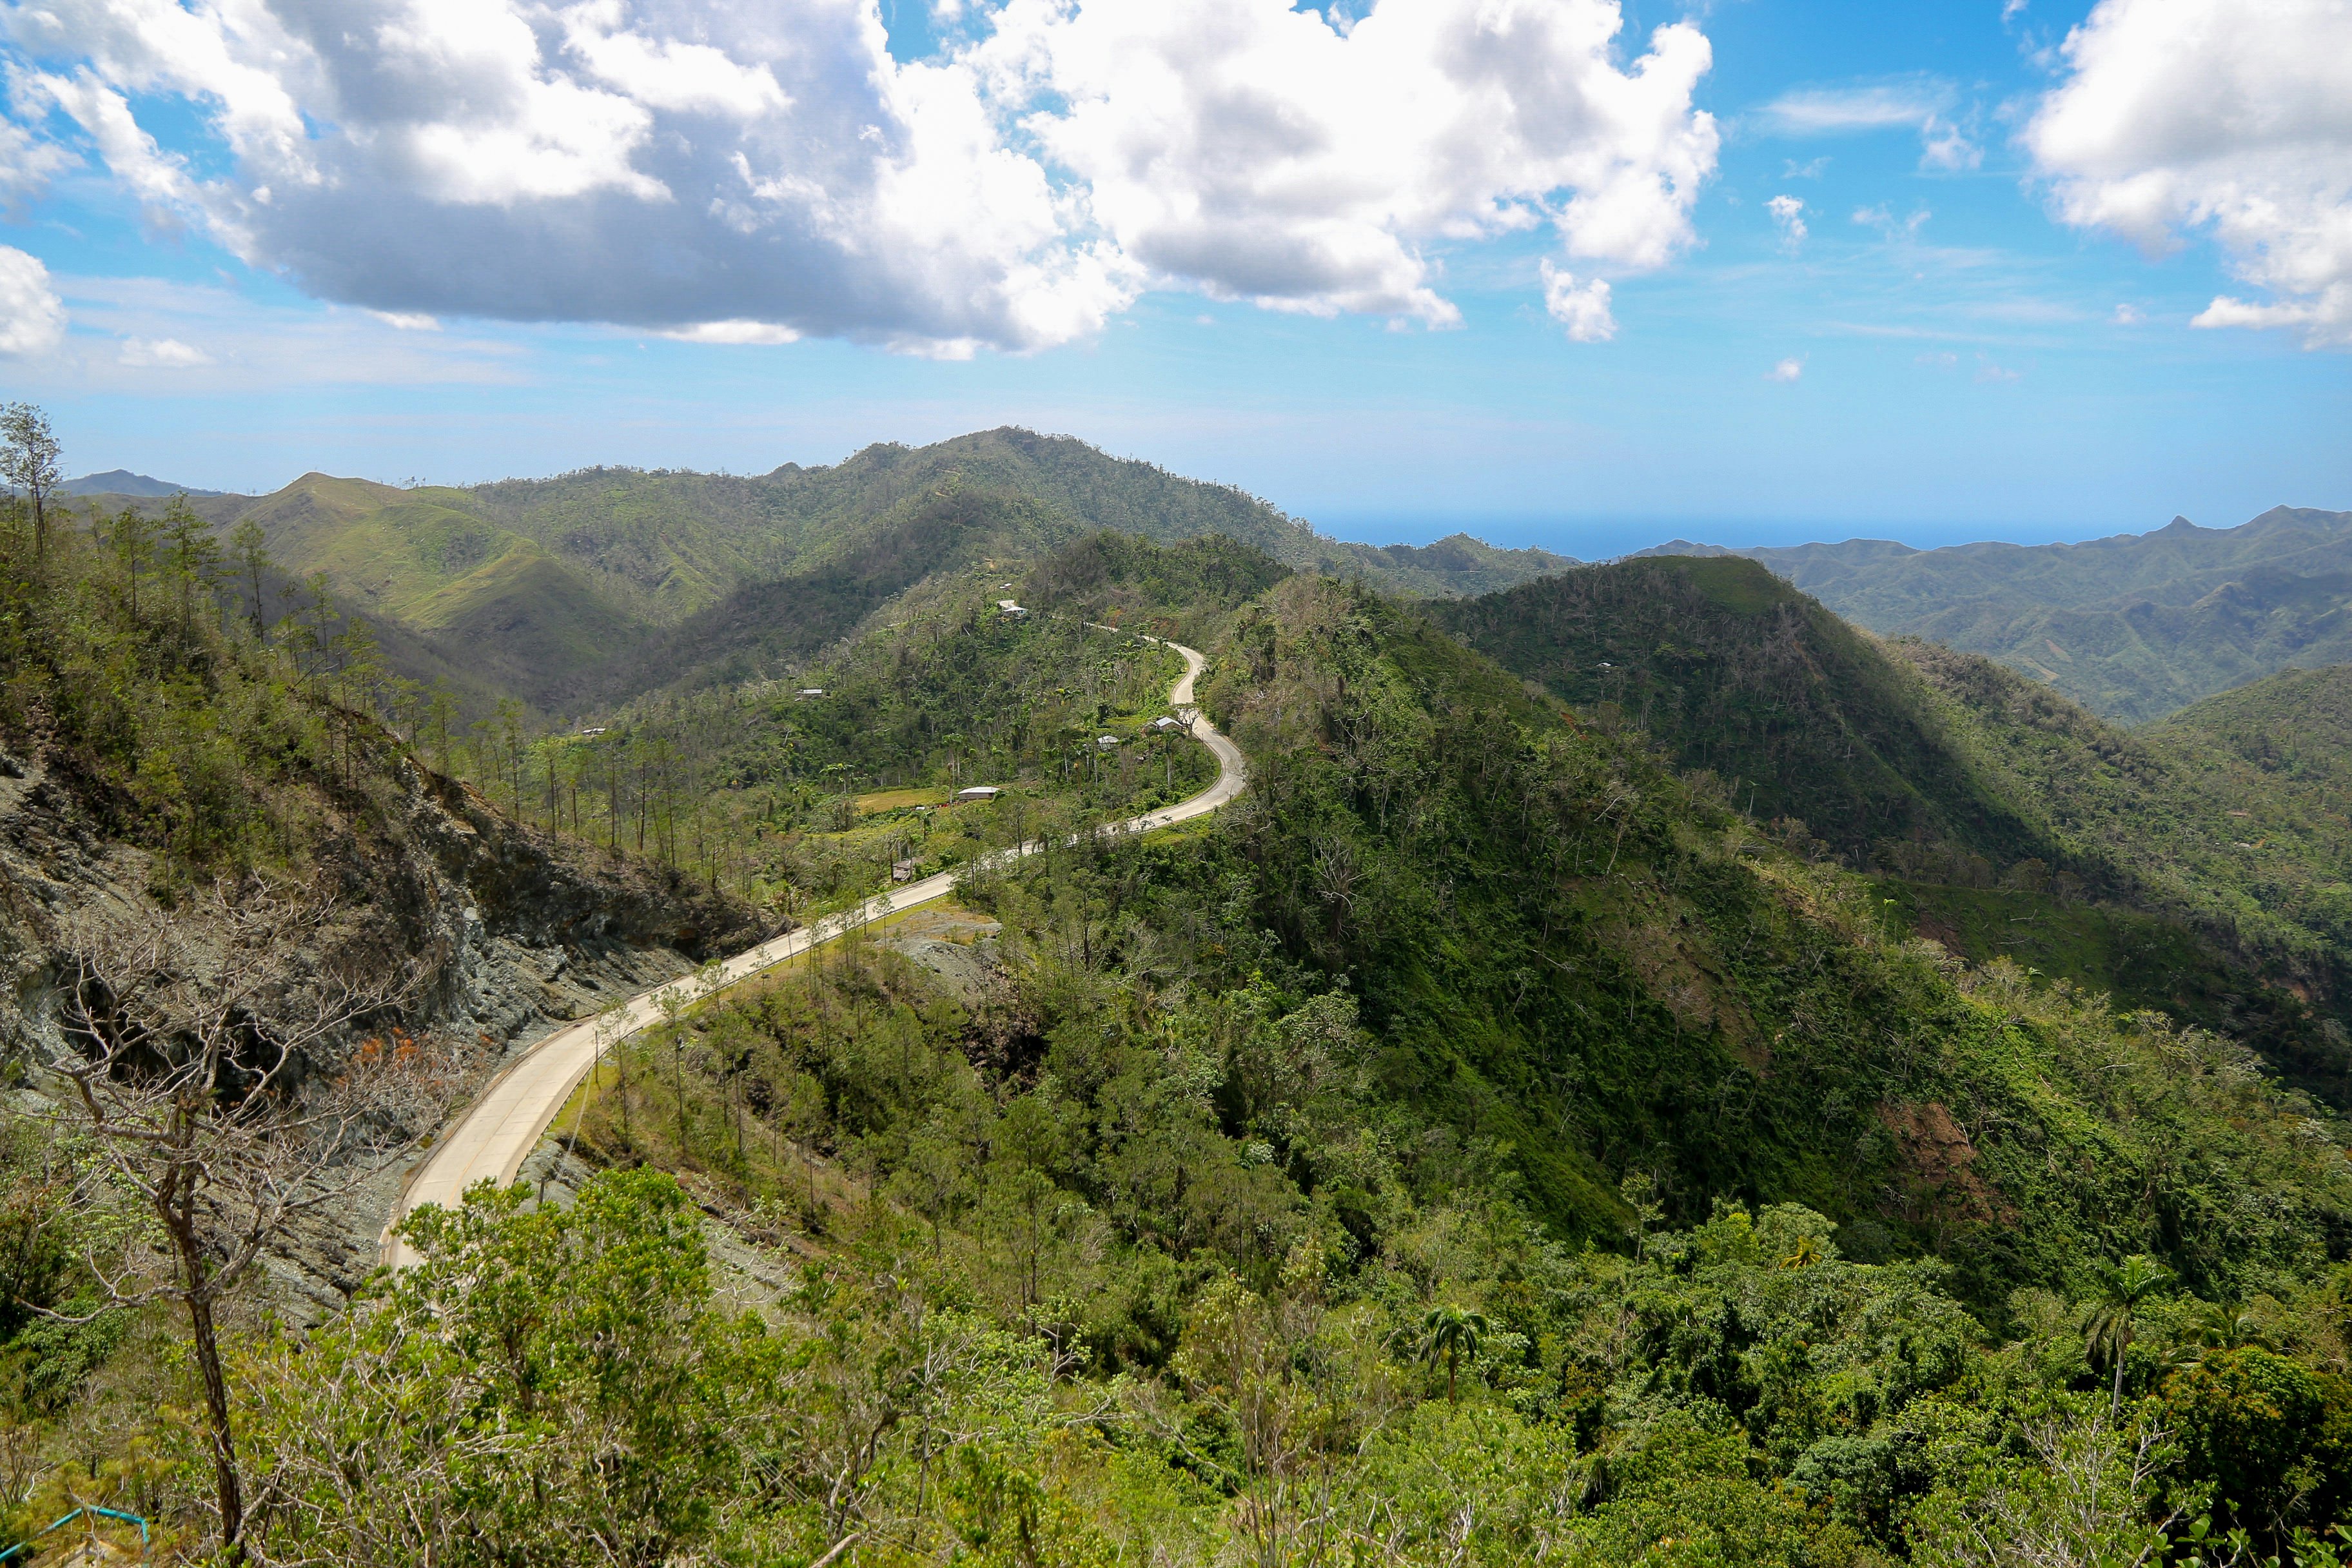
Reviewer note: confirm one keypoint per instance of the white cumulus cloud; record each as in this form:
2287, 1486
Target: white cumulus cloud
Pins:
1788, 218
1787, 370
2229, 118
1581, 308
1260, 153
32, 316
753, 173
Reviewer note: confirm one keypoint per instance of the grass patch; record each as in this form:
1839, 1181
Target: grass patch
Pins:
882, 800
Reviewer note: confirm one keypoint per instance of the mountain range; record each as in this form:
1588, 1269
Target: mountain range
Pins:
2202, 864
596, 585
1947, 721
1647, 1061
2132, 627
593, 586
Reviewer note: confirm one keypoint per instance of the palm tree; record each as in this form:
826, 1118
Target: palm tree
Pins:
1457, 1335
2114, 1324
2227, 1328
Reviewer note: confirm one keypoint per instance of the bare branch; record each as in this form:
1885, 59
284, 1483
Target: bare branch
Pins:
211, 1054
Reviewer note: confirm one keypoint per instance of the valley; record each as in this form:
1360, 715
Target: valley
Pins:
500, 1130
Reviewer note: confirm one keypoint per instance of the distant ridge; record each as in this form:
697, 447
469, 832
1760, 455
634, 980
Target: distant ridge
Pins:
124, 482
599, 584
2134, 627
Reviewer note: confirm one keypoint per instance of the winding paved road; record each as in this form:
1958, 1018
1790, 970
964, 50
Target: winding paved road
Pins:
502, 1127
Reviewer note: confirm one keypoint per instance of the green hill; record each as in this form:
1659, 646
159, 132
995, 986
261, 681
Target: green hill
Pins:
1795, 715
682, 540
599, 585
2133, 627
1545, 962
2295, 730
153, 743
124, 482
764, 628
495, 600
2003, 818
2273, 762
791, 796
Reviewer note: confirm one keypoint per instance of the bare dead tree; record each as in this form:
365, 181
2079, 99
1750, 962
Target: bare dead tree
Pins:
211, 1054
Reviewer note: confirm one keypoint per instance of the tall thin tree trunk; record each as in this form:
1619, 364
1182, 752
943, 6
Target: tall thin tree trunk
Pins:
207, 1347
621, 1065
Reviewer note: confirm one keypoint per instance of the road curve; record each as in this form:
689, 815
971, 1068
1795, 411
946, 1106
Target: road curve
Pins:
499, 1130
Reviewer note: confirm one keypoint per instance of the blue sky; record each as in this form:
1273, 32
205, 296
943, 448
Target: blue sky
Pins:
1953, 350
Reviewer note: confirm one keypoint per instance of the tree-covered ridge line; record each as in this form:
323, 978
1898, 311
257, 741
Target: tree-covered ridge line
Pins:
213, 708
750, 791
219, 721
598, 586
1591, 899
2133, 627
2003, 817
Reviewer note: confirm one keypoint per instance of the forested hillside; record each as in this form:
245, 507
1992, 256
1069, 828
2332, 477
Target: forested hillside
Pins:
255, 945
599, 585
806, 794
161, 736
1478, 1148
1798, 718
2004, 818
2132, 627
1528, 1126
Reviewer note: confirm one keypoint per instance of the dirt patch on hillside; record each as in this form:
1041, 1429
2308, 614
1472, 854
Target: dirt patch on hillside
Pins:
1939, 1160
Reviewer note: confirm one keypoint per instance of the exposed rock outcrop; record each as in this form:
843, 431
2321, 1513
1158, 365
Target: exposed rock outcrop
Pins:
513, 929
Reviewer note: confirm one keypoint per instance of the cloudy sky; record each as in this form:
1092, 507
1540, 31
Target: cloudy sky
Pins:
1562, 271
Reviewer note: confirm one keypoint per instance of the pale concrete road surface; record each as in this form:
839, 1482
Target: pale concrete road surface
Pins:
500, 1129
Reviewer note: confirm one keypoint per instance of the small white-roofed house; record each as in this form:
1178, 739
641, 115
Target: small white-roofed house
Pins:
977, 795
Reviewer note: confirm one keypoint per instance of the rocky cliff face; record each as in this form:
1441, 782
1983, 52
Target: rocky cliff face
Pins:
534, 928
513, 929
